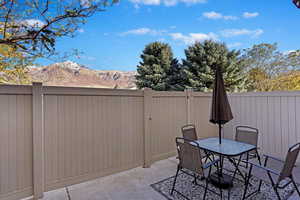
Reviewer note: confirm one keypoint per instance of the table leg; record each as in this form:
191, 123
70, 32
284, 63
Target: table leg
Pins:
237, 168
239, 161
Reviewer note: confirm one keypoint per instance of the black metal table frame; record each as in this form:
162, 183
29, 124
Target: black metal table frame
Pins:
231, 160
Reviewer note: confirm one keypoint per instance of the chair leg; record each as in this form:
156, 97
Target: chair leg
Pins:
206, 184
195, 179
258, 157
173, 188
205, 191
221, 191
247, 182
247, 160
276, 191
229, 190
275, 187
259, 186
295, 185
259, 161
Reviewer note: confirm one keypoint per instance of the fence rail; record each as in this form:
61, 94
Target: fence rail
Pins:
52, 137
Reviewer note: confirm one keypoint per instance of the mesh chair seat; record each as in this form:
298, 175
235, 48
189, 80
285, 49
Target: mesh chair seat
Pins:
190, 158
249, 135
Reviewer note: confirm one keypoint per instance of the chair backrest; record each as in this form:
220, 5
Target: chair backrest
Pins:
290, 162
189, 132
247, 135
189, 155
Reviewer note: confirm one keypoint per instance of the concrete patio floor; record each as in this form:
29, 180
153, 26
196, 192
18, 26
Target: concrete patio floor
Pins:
133, 184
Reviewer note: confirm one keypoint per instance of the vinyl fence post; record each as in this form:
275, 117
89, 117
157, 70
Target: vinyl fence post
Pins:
38, 140
147, 127
189, 105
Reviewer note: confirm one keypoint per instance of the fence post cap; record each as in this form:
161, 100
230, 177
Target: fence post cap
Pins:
188, 89
147, 89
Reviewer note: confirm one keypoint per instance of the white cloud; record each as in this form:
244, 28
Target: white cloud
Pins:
146, 2
33, 23
166, 2
235, 44
193, 37
85, 3
229, 17
143, 31
215, 15
238, 32
81, 30
250, 15
212, 15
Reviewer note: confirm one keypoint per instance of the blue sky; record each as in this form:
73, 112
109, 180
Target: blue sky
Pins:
114, 39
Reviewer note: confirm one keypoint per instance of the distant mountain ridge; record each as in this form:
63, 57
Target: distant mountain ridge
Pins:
72, 74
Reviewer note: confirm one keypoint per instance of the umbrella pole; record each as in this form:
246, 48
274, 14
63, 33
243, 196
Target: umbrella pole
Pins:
220, 133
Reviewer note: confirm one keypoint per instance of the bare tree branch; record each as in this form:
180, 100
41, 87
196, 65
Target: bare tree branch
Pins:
49, 21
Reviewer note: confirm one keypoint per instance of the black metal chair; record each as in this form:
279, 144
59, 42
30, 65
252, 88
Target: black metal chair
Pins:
285, 173
190, 158
249, 135
189, 133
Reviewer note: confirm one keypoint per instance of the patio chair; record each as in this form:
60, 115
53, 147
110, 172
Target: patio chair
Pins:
190, 159
189, 133
249, 135
285, 173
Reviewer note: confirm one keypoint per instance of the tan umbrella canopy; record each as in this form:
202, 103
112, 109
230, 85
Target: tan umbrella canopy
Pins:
220, 107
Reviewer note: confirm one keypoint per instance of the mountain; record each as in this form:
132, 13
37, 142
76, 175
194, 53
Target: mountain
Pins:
72, 74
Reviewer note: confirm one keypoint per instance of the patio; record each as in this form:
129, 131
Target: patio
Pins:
133, 184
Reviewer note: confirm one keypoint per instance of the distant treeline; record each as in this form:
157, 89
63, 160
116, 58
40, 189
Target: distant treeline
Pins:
259, 68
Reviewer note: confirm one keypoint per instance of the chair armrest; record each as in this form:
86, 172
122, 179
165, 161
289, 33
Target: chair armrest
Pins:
264, 168
277, 159
207, 165
274, 158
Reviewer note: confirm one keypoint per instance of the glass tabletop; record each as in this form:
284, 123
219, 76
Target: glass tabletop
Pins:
227, 147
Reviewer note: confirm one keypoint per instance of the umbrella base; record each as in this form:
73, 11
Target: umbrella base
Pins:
224, 183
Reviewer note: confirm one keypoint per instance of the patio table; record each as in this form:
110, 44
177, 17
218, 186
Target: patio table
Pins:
227, 149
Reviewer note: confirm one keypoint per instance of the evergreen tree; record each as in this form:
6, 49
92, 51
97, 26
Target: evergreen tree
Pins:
153, 70
202, 60
175, 80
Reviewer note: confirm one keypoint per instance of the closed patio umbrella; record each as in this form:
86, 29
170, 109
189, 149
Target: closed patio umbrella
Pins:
220, 107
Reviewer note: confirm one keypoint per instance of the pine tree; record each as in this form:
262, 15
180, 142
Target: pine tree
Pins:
202, 60
175, 80
153, 70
